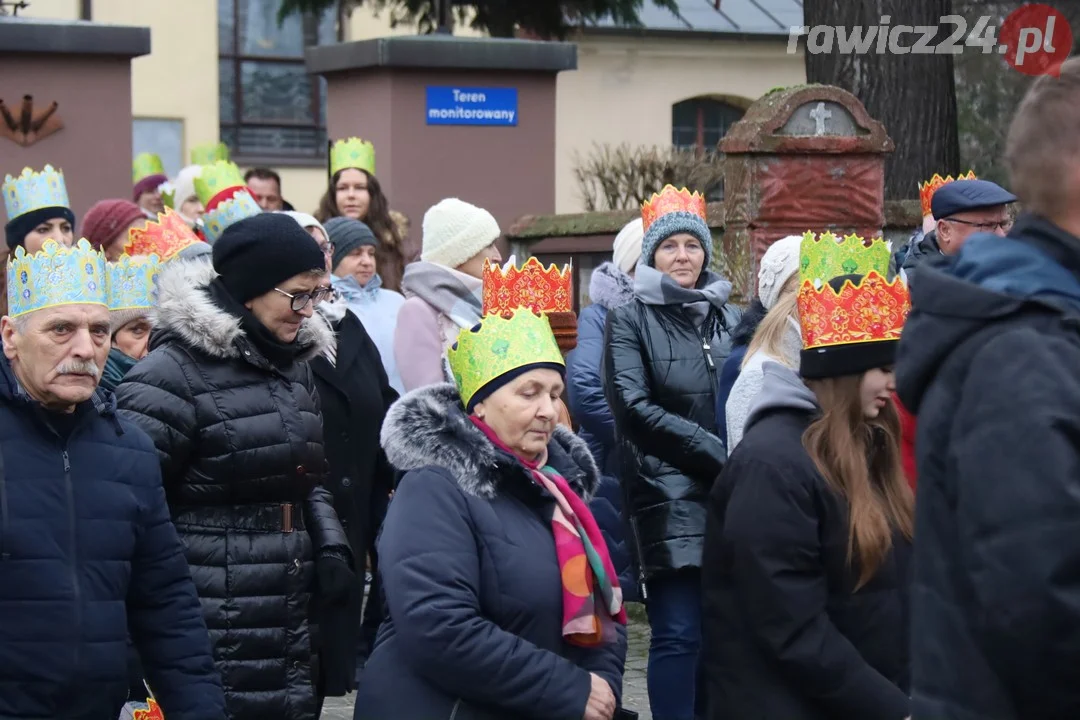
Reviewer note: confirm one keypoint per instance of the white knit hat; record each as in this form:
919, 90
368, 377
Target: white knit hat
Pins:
184, 186
455, 231
779, 263
627, 248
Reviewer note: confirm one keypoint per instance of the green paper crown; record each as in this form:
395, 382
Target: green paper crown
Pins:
215, 177
352, 153
824, 257
209, 153
145, 165
498, 345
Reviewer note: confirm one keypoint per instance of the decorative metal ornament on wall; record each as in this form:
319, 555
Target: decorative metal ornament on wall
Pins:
27, 126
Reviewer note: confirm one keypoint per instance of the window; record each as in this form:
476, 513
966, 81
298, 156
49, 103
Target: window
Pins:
271, 109
699, 123
164, 138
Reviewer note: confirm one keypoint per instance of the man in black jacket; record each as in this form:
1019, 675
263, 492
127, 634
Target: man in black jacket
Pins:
990, 362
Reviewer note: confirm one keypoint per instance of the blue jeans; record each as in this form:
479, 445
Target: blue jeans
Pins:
674, 607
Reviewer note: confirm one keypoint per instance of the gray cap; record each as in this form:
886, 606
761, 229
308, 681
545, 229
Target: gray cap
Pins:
347, 234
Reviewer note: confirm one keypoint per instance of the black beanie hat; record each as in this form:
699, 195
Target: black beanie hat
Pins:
256, 254
851, 359
16, 230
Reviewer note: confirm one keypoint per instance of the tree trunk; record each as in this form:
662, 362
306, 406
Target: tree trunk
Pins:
914, 95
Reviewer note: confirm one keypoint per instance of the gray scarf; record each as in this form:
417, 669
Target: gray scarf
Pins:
454, 294
653, 287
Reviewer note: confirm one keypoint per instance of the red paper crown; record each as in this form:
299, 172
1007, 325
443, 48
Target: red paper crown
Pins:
872, 311
166, 237
671, 200
531, 286
927, 189
153, 712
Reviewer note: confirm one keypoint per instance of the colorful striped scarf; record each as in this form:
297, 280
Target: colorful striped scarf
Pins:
592, 598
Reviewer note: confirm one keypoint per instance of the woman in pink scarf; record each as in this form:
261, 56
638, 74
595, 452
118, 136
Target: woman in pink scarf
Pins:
502, 600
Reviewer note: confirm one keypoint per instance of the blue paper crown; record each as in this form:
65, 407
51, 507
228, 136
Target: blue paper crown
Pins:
56, 275
33, 191
233, 210
132, 282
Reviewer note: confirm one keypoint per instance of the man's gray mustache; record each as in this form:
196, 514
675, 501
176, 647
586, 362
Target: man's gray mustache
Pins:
79, 368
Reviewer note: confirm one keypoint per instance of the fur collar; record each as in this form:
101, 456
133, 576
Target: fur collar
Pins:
186, 310
610, 287
428, 426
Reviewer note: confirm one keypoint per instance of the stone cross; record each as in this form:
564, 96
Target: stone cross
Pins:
819, 115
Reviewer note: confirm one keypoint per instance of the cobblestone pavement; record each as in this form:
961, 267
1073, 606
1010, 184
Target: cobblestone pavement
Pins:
635, 693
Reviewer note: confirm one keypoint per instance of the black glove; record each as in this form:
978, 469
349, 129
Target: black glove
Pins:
335, 578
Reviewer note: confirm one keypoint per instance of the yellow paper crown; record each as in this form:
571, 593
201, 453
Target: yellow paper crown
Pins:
352, 153
133, 282
34, 190
56, 275
215, 177
498, 345
145, 165
669, 200
165, 238
209, 153
533, 286
823, 257
927, 189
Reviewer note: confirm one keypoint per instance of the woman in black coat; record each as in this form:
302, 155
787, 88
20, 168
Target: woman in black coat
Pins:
808, 547
662, 354
355, 395
230, 403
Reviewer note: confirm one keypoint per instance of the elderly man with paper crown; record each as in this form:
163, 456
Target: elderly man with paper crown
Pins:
502, 599
87, 550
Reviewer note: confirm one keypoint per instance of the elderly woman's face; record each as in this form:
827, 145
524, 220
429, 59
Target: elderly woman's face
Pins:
682, 257
523, 412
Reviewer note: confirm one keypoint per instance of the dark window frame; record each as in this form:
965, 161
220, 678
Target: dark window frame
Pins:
729, 115
231, 129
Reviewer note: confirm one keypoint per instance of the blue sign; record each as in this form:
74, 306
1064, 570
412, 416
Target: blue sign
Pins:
472, 106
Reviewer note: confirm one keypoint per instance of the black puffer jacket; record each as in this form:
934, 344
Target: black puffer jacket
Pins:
240, 444
661, 387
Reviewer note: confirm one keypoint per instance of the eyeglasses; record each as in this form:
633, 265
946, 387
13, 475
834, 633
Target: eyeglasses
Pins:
301, 300
1005, 225
327, 248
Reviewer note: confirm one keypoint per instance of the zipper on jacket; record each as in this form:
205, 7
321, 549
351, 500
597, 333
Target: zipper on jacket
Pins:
73, 534
454, 710
4, 554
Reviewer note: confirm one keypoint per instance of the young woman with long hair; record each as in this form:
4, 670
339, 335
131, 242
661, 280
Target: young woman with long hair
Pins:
355, 192
809, 528
776, 339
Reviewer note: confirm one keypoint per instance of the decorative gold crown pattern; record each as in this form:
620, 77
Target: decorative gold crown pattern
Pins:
872, 311
531, 286
165, 238
928, 188
670, 200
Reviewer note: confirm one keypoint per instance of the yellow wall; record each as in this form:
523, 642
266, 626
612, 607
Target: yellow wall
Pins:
622, 91
624, 88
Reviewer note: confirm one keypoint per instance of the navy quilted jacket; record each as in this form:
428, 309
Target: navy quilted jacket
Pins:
87, 550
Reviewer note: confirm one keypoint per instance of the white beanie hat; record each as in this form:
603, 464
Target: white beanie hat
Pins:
306, 221
455, 231
779, 263
184, 186
627, 248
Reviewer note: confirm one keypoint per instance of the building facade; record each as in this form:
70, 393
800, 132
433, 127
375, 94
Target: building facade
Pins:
679, 80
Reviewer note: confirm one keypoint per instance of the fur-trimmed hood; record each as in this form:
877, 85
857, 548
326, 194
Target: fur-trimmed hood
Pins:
428, 426
187, 311
610, 287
